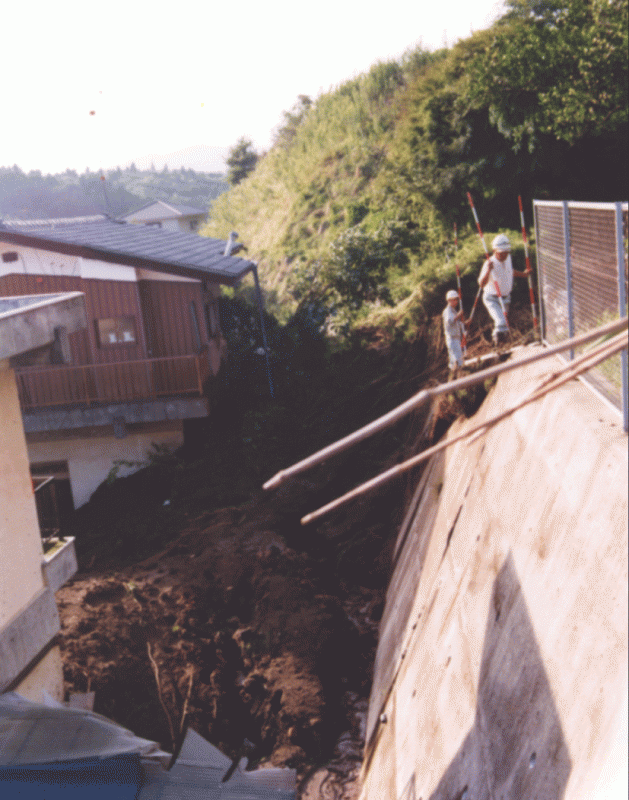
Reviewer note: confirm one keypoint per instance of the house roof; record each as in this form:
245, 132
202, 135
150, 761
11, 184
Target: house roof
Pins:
158, 210
101, 238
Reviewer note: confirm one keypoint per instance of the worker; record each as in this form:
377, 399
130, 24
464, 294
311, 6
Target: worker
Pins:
454, 330
496, 280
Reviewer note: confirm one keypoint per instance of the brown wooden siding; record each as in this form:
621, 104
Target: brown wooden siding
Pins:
103, 300
177, 364
106, 299
125, 381
167, 311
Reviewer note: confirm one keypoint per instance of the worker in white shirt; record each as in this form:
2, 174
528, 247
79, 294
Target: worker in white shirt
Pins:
496, 280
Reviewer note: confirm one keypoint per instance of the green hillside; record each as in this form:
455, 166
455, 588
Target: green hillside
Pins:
351, 211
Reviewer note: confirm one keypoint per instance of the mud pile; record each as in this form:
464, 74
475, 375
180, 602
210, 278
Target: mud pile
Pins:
232, 632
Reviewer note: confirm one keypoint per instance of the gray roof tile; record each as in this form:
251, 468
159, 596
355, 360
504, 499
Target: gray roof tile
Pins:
175, 252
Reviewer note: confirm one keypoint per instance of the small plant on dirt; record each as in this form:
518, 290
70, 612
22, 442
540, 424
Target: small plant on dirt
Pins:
159, 454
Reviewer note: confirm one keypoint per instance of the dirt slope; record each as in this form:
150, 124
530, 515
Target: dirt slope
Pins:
231, 631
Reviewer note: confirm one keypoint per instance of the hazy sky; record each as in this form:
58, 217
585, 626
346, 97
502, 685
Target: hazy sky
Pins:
161, 76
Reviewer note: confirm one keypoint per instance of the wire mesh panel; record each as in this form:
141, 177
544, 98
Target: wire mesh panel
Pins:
582, 263
551, 262
595, 283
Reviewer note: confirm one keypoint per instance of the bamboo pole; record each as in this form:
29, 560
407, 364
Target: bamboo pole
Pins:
563, 376
487, 256
458, 284
422, 397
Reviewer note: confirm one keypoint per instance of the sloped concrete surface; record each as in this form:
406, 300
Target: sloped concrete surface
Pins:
502, 664
27, 323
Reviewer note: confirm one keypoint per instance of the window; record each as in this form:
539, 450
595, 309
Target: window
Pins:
116, 330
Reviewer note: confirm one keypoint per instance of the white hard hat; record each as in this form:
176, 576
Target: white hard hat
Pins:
501, 243
452, 295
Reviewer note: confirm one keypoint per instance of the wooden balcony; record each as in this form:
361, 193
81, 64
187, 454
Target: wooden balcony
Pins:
120, 382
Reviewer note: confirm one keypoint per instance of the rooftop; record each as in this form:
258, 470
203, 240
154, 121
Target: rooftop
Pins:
140, 246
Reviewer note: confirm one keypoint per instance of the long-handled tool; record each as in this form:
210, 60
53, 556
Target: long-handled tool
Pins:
528, 264
482, 238
458, 285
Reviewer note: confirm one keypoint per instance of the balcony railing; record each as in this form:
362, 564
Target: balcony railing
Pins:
123, 381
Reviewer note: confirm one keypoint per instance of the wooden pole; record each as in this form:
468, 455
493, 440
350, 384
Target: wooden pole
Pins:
435, 391
574, 369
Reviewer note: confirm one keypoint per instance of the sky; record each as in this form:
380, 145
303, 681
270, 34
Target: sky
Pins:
99, 84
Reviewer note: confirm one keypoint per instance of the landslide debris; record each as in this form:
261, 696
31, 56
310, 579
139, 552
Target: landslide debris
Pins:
236, 620
229, 630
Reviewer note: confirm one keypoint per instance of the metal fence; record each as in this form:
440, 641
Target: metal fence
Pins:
582, 278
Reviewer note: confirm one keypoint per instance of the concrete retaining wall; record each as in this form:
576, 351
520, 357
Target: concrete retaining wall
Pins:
502, 664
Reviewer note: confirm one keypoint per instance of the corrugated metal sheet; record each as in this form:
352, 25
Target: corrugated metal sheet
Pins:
133, 245
52, 751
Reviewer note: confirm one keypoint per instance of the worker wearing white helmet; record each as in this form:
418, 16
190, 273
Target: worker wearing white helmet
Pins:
496, 280
453, 330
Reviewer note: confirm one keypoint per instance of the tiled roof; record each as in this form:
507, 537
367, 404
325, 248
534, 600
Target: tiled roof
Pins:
141, 246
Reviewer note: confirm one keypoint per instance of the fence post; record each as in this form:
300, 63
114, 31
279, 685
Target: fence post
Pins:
622, 309
540, 284
568, 260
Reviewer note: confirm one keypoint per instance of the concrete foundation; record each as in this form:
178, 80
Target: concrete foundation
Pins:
502, 664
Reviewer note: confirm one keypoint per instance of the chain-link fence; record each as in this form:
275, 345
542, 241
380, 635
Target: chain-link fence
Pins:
582, 274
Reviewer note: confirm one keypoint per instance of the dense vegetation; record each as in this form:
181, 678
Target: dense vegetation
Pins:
350, 212
116, 192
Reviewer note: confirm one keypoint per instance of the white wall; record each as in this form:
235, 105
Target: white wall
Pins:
90, 460
20, 541
21, 579
32, 261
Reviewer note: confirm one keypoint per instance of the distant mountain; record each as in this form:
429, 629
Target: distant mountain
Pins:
199, 157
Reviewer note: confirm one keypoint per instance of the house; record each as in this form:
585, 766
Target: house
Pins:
153, 338
168, 216
32, 328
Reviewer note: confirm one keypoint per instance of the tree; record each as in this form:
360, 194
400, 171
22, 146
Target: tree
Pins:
241, 161
557, 68
292, 120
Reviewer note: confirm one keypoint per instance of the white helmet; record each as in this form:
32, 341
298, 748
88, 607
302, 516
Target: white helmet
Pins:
501, 243
452, 295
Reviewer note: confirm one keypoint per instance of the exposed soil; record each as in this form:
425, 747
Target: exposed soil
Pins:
233, 632
238, 621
